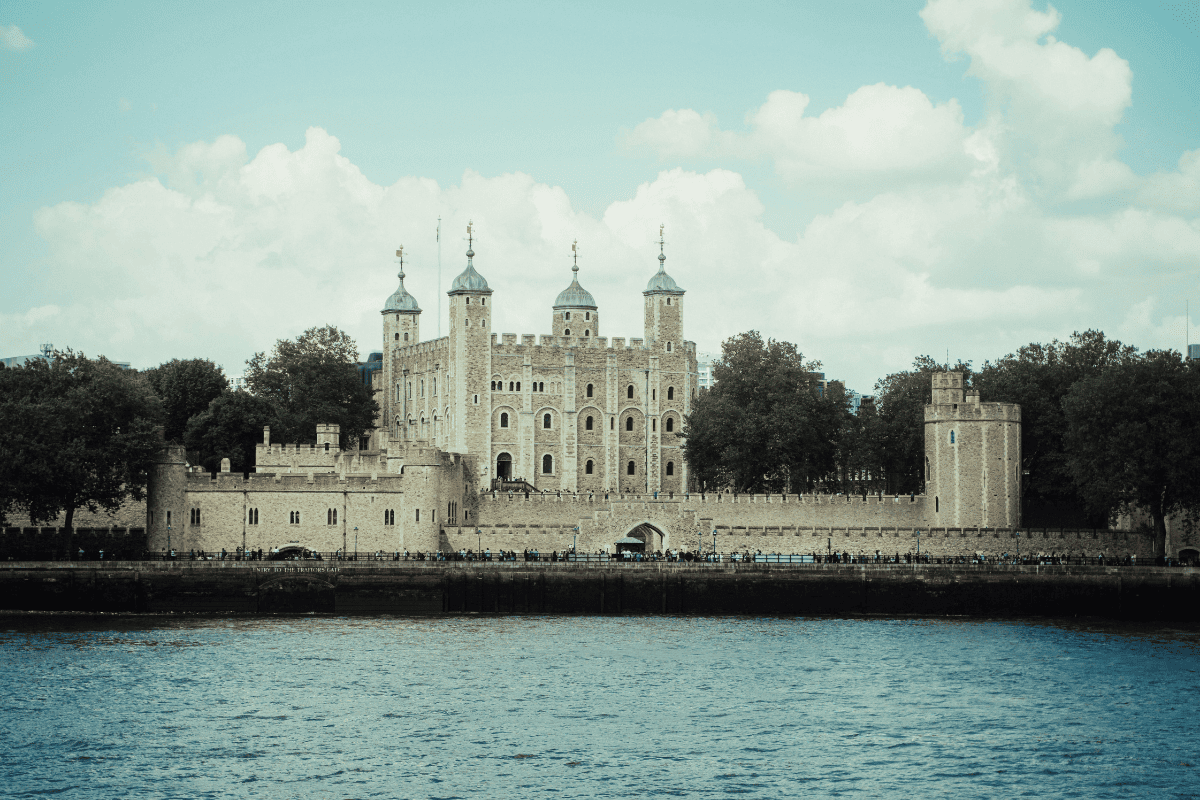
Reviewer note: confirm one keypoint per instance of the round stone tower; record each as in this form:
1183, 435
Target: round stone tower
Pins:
401, 328
165, 495
972, 458
575, 312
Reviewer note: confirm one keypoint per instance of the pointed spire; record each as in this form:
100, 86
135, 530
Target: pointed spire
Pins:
662, 282
575, 296
469, 280
401, 300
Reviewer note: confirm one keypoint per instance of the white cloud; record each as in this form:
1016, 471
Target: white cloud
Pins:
11, 38
881, 134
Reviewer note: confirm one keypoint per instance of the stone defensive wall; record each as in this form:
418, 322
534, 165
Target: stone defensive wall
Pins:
770, 523
442, 588
508, 342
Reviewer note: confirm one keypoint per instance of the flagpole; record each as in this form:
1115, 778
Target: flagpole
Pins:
439, 289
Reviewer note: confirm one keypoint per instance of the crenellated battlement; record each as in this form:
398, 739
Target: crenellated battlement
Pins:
512, 343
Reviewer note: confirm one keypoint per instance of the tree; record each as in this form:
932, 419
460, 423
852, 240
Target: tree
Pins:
230, 428
314, 380
79, 433
1133, 439
1038, 377
901, 398
186, 389
762, 427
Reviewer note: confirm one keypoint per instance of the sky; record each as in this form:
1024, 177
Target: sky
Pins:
872, 181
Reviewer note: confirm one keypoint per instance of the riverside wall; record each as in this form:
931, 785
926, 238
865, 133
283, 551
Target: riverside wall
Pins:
437, 588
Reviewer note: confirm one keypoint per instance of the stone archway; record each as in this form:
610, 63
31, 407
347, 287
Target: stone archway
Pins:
292, 551
652, 538
504, 466
1190, 556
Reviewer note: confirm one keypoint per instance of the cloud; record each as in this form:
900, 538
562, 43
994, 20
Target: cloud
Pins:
11, 38
881, 134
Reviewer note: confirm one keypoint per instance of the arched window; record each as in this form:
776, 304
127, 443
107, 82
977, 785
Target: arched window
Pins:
397, 337
483, 301
589, 467
653, 425
541, 386
567, 315
589, 390
547, 464
951, 437
587, 315
935, 504
567, 332
670, 424
587, 332
668, 301
629, 423
629, 391
670, 467
631, 468
504, 419
587, 423
466, 322
546, 421
493, 386
511, 385
670, 392
518, 386
668, 347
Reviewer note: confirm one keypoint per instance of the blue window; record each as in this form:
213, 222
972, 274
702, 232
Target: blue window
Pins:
951, 437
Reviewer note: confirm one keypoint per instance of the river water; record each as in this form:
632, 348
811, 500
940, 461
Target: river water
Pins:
529, 707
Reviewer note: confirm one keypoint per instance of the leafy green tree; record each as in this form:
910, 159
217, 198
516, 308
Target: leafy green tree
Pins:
1133, 439
186, 388
762, 427
311, 380
901, 398
1039, 377
859, 466
79, 433
230, 428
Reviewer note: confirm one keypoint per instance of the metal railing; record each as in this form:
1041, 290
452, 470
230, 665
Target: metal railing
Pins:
627, 557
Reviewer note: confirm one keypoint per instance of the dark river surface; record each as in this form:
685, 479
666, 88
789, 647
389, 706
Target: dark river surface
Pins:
527, 707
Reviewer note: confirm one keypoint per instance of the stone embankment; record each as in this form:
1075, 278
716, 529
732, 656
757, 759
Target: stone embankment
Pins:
432, 588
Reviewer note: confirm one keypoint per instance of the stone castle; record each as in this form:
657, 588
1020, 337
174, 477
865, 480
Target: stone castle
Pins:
571, 439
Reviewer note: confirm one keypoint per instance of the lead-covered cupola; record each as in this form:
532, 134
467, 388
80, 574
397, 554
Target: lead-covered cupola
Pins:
664, 308
401, 314
575, 312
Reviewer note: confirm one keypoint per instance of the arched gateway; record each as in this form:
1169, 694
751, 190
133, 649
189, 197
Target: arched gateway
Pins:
644, 537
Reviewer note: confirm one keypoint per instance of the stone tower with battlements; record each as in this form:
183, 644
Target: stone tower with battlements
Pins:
972, 458
470, 350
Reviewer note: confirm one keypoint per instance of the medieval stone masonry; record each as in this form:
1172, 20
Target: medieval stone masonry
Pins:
507, 441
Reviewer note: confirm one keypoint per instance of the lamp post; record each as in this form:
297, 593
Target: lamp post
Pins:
700, 541
479, 543
714, 541
1018, 545
168, 540
574, 542
918, 544
356, 543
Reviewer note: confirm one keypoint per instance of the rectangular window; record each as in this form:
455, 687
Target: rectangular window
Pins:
418, 515
195, 516
252, 516
331, 516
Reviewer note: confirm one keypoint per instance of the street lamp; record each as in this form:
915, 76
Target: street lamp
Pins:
574, 542
1018, 545
168, 540
714, 541
479, 544
356, 543
918, 544
700, 541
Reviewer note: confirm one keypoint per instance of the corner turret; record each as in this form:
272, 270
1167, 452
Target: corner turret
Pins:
664, 307
575, 312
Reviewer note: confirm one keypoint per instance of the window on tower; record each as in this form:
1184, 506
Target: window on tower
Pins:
589, 467
629, 423
629, 391
547, 464
631, 468
588, 423
668, 347
589, 390
504, 420
670, 467
670, 424
397, 337
567, 332
587, 332
670, 392
567, 315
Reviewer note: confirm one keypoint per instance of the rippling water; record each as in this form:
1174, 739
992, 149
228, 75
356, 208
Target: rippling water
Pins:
594, 707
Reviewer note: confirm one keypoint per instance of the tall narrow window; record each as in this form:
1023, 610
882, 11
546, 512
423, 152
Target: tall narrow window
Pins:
566, 315
587, 423
670, 467
518, 386
951, 437
589, 467
935, 505
927, 471
504, 419
547, 464
546, 421
631, 468
195, 516
587, 315
629, 391
670, 424
653, 425
589, 390
418, 515
668, 347
670, 392
511, 385
629, 423
612, 424
587, 332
